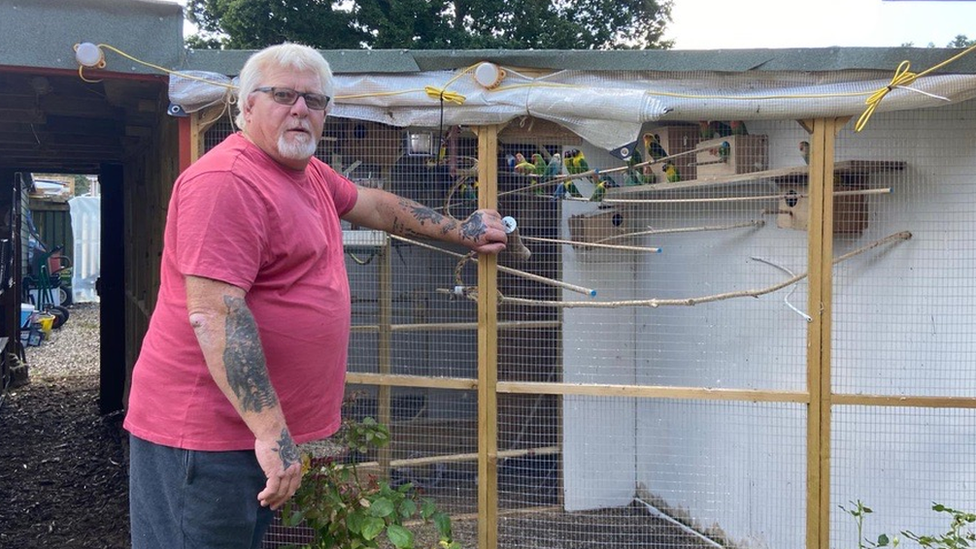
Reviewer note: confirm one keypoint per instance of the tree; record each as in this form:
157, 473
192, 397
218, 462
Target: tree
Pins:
432, 24
82, 185
253, 24
961, 41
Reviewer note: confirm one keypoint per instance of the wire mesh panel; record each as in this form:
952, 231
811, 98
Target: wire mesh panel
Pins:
664, 274
904, 324
654, 367
408, 318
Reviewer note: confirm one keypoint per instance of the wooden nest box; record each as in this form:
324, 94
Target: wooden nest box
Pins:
731, 155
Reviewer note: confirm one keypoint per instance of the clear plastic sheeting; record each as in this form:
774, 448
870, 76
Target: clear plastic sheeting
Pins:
197, 90
86, 224
607, 109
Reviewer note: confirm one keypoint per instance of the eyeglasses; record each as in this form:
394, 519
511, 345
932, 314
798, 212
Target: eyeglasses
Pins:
288, 96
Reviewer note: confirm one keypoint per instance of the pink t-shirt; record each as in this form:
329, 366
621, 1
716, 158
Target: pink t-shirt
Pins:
238, 216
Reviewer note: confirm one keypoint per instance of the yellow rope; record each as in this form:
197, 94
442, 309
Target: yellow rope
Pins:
165, 70
442, 94
903, 77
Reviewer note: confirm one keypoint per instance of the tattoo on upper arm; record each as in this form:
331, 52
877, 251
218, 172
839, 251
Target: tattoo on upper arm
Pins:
473, 228
247, 372
287, 450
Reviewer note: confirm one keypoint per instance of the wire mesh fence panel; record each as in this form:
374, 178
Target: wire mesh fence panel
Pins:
900, 462
654, 366
903, 325
664, 274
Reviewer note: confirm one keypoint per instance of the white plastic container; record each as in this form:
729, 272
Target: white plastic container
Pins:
26, 310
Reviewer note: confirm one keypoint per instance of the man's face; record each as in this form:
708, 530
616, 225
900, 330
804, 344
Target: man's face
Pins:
289, 133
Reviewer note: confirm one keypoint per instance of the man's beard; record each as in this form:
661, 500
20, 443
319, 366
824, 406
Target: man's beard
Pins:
298, 147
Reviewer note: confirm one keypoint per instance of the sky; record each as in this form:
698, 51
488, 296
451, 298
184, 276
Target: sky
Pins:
719, 24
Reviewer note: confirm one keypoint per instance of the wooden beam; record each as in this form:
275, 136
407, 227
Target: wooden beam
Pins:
488, 350
906, 401
384, 351
820, 306
399, 380
650, 391
53, 138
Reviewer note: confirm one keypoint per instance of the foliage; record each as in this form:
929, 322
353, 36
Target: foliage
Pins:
82, 185
432, 24
960, 41
348, 509
858, 512
254, 24
957, 537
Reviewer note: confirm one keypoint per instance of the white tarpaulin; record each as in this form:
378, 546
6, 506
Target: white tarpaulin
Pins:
608, 109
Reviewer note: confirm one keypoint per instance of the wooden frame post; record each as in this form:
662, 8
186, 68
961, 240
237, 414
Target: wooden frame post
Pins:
820, 234
384, 343
488, 350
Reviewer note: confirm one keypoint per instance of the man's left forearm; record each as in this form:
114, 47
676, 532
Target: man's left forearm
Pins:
481, 231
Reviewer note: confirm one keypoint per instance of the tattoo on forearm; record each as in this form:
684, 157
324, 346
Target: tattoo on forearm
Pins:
401, 229
247, 373
422, 214
474, 227
287, 450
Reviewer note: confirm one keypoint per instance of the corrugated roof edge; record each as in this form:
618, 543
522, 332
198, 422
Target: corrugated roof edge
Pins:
728, 60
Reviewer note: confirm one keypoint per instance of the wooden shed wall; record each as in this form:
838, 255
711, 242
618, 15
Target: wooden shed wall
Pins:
148, 182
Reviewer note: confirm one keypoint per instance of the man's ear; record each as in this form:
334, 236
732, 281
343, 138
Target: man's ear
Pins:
246, 108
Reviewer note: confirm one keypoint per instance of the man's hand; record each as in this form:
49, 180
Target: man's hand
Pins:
283, 466
484, 232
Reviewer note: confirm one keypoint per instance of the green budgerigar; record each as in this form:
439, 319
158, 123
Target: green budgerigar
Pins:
671, 171
599, 192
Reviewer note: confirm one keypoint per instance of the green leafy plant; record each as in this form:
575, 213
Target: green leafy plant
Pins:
347, 508
957, 537
858, 511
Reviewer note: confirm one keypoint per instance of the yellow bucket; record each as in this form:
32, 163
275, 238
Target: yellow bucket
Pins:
47, 323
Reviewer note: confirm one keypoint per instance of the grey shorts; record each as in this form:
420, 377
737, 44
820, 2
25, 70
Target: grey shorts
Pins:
187, 499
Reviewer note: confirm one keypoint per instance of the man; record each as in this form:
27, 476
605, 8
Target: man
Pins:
246, 351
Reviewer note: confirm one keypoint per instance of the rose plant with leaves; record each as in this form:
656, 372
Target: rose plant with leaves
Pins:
959, 535
347, 508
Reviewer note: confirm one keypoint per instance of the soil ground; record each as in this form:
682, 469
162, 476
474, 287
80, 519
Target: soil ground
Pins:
62, 468
63, 479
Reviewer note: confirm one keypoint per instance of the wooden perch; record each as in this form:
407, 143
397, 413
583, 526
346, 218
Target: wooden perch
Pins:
754, 223
883, 190
904, 235
593, 244
529, 276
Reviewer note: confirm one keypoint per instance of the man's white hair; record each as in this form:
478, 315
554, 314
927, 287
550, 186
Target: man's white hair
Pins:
293, 56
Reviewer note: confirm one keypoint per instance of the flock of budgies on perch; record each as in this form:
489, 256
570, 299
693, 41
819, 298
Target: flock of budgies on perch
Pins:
554, 175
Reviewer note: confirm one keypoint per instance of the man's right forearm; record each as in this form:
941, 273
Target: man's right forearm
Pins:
231, 345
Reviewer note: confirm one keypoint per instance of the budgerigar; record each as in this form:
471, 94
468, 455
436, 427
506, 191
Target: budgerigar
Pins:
553, 168
738, 127
671, 172
599, 192
522, 165
724, 150
653, 147
635, 175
